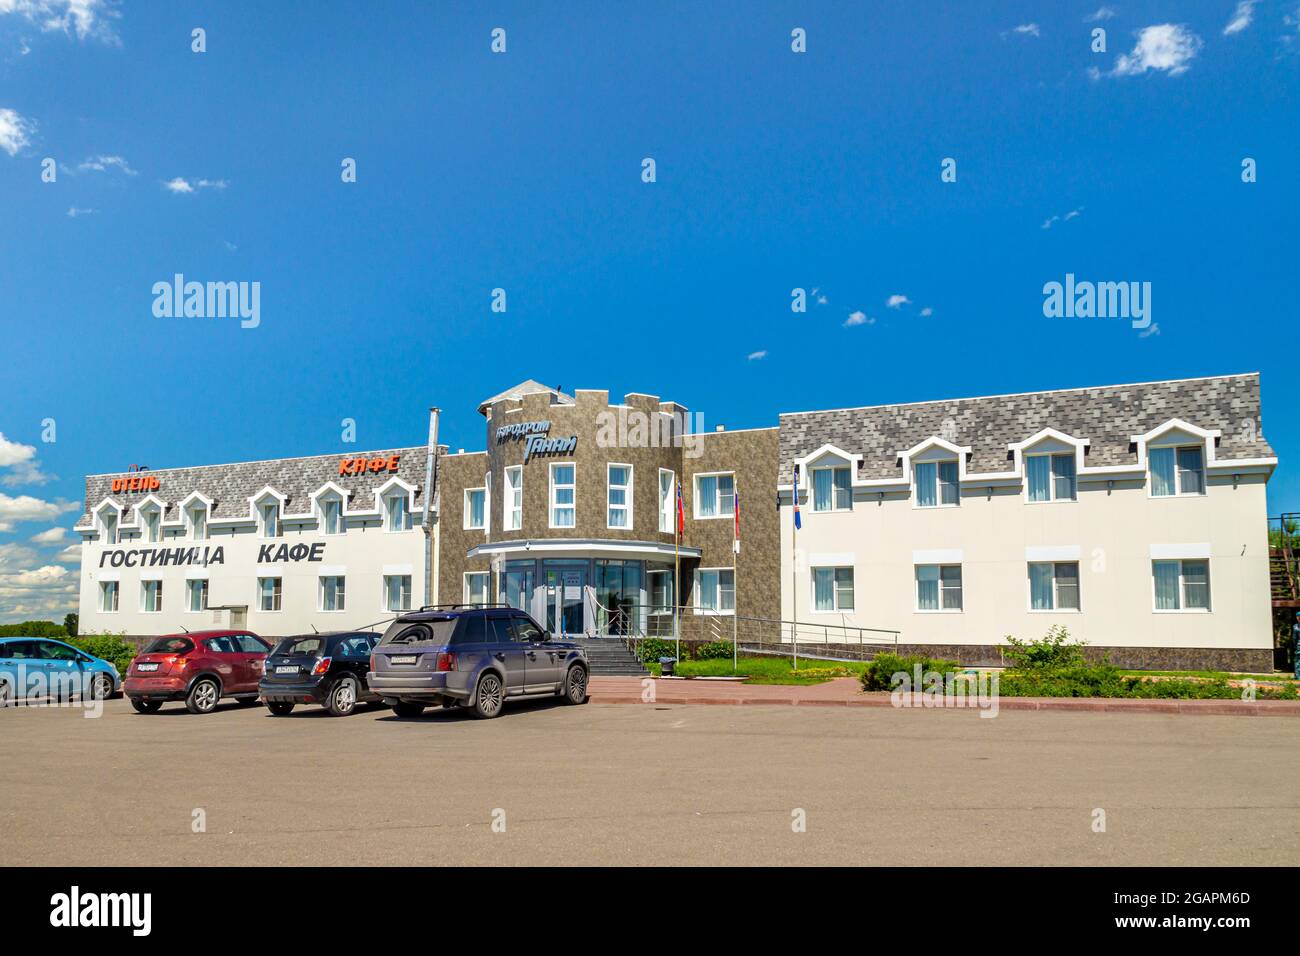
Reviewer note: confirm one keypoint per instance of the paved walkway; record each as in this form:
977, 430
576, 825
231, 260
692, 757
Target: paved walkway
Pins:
846, 692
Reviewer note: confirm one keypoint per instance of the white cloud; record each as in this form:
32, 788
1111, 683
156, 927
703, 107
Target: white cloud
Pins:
27, 508
1102, 13
1166, 46
85, 18
69, 555
20, 462
16, 556
1073, 213
927, 312
182, 185
1027, 29
858, 318
75, 211
101, 164
15, 131
897, 301
1241, 17
50, 536
1150, 330
756, 356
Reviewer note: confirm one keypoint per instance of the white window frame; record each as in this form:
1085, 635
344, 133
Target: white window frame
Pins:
320, 593
1056, 588
916, 589
193, 516
719, 611
467, 510
466, 596
812, 489
262, 521
204, 592
405, 521
551, 504
666, 608
938, 483
323, 503
144, 596
110, 525
626, 507
1182, 587
1178, 476
151, 529
279, 602
668, 505
405, 591
1052, 498
117, 596
695, 498
835, 608
512, 518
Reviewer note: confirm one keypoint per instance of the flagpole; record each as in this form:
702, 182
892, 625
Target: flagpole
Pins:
794, 573
735, 575
677, 574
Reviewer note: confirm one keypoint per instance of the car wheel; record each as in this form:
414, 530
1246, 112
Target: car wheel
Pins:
405, 708
203, 696
489, 696
145, 706
101, 687
280, 707
343, 697
575, 685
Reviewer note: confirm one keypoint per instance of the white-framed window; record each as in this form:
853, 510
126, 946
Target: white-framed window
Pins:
936, 484
476, 586
397, 592
197, 519
1051, 477
109, 592
619, 485
563, 495
269, 593
331, 514
108, 526
715, 590
832, 589
196, 594
397, 512
715, 495
832, 489
152, 518
475, 508
1181, 585
333, 592
1177, 470
268, 519
938, 587
660, 586
667, 500
514, 498
1054, 585
151, 596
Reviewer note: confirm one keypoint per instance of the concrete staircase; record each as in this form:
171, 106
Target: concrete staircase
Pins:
609, 656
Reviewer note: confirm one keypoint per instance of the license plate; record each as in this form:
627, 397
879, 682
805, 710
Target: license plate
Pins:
403, 658
287, 669
146, 667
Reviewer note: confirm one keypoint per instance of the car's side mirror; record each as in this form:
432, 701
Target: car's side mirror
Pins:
546, 636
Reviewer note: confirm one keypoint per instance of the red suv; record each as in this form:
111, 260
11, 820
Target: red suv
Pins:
198, 668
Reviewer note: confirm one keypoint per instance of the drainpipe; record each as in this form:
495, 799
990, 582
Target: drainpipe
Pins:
430, 490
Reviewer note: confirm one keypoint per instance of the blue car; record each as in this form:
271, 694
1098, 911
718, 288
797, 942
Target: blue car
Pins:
35, 667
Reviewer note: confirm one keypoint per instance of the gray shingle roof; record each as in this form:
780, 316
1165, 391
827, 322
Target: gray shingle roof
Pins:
1106, 415
230, 486
528, 387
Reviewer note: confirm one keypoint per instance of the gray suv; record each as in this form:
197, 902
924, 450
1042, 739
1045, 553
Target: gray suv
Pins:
474, 656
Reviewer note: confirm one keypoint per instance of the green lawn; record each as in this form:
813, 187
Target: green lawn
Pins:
1280, 677
768, 670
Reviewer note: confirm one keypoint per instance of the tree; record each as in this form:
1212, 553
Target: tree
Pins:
70, 622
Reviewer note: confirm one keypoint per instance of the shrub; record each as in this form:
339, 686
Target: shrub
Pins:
713, 651
110, 647
653, 648
880, 670
1056, 649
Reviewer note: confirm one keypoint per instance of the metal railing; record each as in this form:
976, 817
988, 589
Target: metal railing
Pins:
635, 623
1284, 563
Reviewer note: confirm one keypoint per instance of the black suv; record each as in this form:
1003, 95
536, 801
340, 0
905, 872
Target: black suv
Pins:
327, 669
475, 656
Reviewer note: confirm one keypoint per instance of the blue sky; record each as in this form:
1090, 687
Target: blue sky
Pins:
522, 171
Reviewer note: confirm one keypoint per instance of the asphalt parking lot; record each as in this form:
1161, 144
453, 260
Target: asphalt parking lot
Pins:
646, 784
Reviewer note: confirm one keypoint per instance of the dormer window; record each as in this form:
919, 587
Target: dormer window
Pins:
268, 519
832, 489
1051, 477
331, 515
197, 519
1177, 470
108, 526
936, 484
152, 519
397, 516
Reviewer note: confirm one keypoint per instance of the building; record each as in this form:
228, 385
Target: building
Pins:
1133, 515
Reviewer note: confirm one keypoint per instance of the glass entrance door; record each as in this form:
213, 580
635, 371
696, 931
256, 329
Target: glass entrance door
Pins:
565, 584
